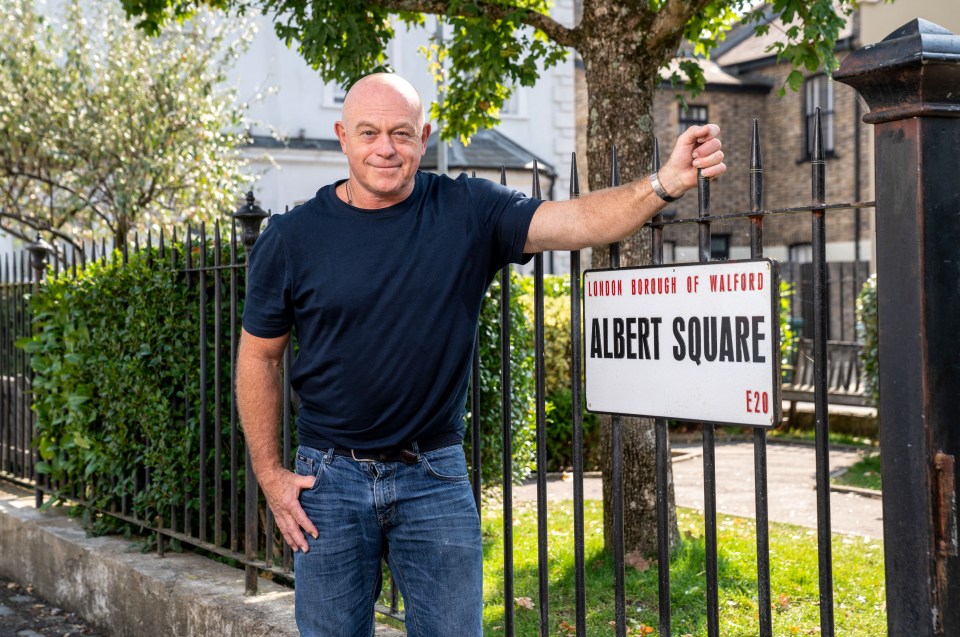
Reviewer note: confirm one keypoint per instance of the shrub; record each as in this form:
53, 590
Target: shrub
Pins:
558, 351
788, 337
869, 336
115, 360
523, 409
117, 390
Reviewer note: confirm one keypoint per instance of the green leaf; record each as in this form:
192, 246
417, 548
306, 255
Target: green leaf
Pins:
29, 344
80, 440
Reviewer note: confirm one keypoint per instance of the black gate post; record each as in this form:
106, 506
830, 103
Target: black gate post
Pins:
911, 82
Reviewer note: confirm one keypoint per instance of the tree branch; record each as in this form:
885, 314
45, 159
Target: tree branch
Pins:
37, 224
86, 199
554, 30
672, 17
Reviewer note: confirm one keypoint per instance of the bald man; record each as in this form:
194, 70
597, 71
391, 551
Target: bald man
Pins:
382, 276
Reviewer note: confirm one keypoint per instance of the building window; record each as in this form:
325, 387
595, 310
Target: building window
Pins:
800, 253
720, 247
669, 251
818, 91
333, 95
514, 106
692, 115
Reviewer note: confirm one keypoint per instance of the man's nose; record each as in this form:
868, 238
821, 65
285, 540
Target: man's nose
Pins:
385, 145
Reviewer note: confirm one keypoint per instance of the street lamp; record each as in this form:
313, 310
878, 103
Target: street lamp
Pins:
250, 216
39, 250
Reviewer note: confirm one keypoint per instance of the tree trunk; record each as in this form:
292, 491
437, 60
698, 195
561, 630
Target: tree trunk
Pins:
621, 83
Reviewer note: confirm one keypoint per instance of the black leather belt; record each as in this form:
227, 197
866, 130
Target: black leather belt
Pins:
405, 453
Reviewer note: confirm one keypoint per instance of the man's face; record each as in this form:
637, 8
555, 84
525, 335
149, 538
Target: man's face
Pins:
383, 136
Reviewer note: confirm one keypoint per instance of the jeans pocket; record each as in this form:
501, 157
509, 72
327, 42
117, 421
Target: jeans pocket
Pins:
448, 463
305, 466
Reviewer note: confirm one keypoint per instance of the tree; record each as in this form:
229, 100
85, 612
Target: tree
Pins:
498, 44
103, 130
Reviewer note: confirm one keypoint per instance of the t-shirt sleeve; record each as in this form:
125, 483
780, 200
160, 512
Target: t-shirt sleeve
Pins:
507, 216
267, 310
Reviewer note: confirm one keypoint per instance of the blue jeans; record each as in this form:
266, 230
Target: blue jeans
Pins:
421, 517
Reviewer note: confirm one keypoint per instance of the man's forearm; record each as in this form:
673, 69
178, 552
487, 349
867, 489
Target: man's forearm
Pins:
259, 393
597, 218
609, 215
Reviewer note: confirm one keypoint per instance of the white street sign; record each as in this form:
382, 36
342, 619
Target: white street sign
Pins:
686, 341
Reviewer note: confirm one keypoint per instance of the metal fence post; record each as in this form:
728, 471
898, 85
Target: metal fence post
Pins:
250, 216
39, 252
910, 83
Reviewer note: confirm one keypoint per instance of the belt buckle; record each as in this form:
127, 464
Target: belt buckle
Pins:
406, 456
353, 454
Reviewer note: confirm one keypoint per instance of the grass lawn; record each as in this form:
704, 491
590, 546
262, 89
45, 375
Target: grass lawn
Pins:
864, 474
788, 434
859, 606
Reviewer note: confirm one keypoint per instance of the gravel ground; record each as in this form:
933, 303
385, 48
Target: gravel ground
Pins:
24, 614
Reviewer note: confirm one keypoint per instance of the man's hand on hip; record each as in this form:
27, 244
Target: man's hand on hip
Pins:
282, 489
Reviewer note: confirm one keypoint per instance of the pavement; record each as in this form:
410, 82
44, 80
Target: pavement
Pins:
791, 486
23, 614
182, 594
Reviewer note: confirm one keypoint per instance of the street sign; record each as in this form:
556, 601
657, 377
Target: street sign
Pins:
694, 341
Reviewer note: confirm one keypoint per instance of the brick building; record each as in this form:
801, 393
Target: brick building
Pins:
743, 83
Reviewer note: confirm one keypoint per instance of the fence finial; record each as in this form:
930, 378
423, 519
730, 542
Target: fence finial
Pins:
250, 216
40, 251
537, 193
756, 170
574, 177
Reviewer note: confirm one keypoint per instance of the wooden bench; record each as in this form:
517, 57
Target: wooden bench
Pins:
845, 382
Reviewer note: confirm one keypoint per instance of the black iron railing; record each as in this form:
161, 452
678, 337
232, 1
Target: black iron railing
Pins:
224, 513
917, 129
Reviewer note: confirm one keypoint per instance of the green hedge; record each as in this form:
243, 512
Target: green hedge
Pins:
558, 351
115, 358
523, 411
117, 367
869, 336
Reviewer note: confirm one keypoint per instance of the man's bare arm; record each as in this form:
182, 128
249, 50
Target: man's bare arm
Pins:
259, 394
609, 215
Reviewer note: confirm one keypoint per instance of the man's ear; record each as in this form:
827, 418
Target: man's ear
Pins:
424, 136
341, 132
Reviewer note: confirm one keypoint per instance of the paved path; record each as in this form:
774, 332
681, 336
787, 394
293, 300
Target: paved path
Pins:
791, 487
24, 614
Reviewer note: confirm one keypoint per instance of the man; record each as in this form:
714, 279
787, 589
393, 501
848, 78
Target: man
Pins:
382, 275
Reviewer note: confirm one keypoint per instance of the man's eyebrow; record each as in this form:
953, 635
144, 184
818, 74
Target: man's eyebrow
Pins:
405, 126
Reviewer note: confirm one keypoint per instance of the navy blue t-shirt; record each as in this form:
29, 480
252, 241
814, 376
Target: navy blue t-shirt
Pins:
385, 304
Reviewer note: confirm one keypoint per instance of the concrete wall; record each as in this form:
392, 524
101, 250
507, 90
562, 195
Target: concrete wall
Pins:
109, 582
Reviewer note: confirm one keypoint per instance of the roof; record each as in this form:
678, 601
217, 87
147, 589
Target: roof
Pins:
743, 47
718, 79
487, 149
294, 143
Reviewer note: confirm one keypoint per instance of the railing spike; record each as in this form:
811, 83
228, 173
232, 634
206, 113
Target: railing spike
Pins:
537, 193
503, 176
756, 171
614, 168
574, 177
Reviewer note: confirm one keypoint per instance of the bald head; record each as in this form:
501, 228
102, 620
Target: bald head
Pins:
374, 91
383, 135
